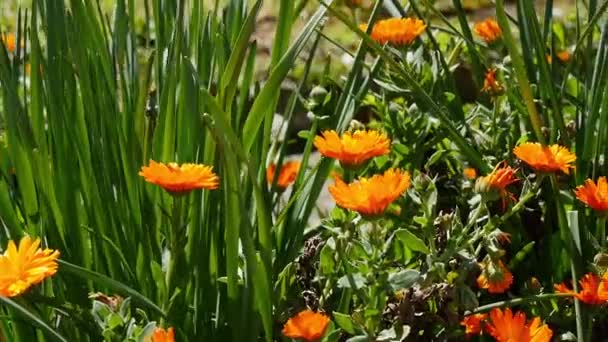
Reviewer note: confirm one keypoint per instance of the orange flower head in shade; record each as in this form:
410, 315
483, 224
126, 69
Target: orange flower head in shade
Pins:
396, 31
370, 196
353, 149
494, 185
307, 325
162, 335
547, 159
286, 175
564, 56
508, 327
594, 195
180, 179
495, 277
491, 85
25, 266
469, 173
473, 324
10, 42
488, 30
592, 290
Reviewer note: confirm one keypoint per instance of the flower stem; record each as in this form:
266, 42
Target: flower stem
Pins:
175, 239
601, 227
519, 301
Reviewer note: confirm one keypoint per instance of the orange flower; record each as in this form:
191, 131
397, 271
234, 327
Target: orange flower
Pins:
353, 149
546, 158
286, 176
370, 196
494, 185
470, 173
473, 324
307, 325
564, 56
488, 30
506, 327
397, 31
595, 196
180, 178
25, 266
490, 84
162, 335
495, 277
10, 42
590, 292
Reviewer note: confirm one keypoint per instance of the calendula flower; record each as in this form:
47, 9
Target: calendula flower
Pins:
25, 266
178, 179
353, 149
546, 158
10, 42
162, 335
590, 292
371, 196
307, 325
286, 175
470, 173
488, 30
473, 324
563, 56
494, 185
491, 84
594, 195
495, 277
507, 327
397, 31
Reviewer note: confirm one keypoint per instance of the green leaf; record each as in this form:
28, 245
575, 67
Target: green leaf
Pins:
32, 319
359, 281
403, 279
411, 241
345, 322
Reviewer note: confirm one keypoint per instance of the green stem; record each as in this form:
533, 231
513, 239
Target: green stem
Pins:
175, 238
601, 227
519, 301
520, 70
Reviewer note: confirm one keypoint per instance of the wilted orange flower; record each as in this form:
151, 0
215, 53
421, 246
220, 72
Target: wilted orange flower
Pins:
470, 173
9, 41
495, 277
307, 325
488, 30
370, 196
546, 158
397, 31
595, 196
162, 335
473, 323
590, 292
563, 56
180, 178
506, 327
286, 176
25, 266
353, 149
491, 84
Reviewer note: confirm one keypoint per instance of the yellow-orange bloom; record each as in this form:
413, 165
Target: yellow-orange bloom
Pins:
590, 292
473, 324
546, 158
563, 56
180, 178
491, 84
286, 175
371, 196
25, 266
495, 277
10, 42
470, 173
397, 31
488, 30
506, 327
162, 335
307, 325
594, 195
353, 149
